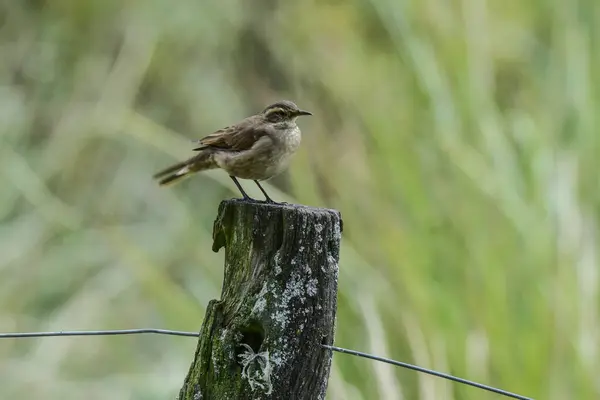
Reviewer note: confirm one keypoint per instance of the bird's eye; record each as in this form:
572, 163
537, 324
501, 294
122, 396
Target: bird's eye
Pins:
276, 115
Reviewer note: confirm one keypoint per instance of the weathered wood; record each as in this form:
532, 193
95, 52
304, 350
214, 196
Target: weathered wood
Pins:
263, 339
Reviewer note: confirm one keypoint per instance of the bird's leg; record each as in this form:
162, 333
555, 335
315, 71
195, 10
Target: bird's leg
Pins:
269, 200
244, 194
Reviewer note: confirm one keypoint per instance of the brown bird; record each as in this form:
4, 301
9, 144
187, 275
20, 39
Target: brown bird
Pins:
258, 148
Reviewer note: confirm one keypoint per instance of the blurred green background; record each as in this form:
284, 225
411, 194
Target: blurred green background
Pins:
459, 139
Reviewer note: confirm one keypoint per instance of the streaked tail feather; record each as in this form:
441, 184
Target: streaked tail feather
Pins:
170, 169
175, 176
177, 172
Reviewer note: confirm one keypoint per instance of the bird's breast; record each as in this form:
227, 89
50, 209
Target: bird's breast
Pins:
290, 140
262, 162
285, 146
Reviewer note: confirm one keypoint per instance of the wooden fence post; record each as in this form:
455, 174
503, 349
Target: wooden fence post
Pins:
262, 339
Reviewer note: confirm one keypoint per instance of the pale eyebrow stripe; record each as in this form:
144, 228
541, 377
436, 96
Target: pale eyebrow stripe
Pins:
273, 110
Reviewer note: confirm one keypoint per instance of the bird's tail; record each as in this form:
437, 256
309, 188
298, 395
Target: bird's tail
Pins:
173, 173
181, 170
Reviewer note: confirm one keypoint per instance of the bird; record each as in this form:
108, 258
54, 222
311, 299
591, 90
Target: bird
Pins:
258, 148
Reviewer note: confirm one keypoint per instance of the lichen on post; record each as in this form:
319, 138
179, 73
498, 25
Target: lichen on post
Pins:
262, 339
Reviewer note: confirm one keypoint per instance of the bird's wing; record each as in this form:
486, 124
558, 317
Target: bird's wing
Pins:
239, 137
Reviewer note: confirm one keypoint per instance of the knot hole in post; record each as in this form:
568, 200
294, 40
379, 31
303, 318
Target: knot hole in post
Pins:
256, 366
253, 335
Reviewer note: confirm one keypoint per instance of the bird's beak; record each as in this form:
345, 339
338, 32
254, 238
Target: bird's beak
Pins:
302, 112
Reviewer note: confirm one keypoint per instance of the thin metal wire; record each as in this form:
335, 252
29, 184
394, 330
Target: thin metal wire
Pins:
196, 334
427, 371
98, 333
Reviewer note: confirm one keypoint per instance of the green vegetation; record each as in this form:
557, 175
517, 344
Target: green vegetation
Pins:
459, 140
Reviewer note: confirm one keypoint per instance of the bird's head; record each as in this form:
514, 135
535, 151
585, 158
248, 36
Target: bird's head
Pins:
283, 111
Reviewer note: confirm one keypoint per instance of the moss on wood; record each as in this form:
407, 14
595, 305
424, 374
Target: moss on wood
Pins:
278, 303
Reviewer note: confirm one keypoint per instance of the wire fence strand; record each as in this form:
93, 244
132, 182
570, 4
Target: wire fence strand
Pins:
98, 333
18, 335
427, 371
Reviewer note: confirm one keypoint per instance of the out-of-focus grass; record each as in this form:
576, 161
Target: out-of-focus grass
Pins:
459, 140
